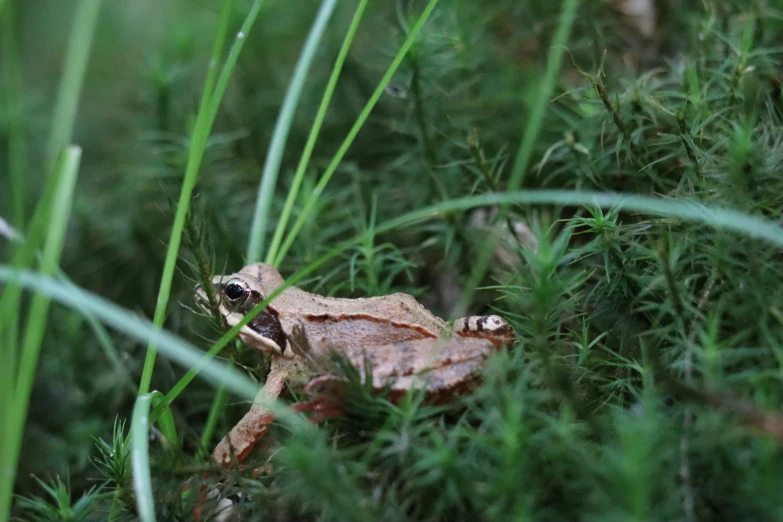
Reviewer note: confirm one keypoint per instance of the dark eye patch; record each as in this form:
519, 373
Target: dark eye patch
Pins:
266, 324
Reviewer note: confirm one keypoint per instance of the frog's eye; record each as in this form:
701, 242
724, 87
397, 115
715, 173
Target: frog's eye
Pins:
235, 292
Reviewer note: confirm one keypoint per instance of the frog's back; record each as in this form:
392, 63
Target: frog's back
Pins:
364, 321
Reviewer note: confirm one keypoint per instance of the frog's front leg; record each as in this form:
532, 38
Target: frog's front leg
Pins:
242, 437
490, 327
442, 368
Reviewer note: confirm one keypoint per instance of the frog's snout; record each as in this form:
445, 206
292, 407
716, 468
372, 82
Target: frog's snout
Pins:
200, 296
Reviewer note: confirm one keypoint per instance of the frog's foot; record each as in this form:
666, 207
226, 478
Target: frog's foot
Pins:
491, 327
324, 403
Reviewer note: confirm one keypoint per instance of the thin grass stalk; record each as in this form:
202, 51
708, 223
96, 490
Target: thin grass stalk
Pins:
332, 167
76, 57
314, 131
35, 326
231, 60
522, 160
274, 155
140, 458
14, 105
10, 308
131, 324
272, 164
204, 121
214, 415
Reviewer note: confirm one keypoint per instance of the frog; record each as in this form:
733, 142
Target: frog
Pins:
392, 338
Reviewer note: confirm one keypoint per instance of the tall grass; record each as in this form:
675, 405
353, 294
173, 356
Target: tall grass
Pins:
278, 248
214, 88
277, 144
76, 59
48, 227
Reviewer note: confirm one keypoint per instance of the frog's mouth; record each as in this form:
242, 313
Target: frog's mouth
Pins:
201, 299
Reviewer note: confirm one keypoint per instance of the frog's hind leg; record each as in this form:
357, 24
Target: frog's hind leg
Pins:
491, 327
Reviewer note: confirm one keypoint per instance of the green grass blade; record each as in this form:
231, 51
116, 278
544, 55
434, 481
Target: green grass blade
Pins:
314, 131
204, 121
233, 56
689, 211
214, 415
35, 327
332, 167
280, 134
140, 458
172, 346
24, 256
272, 164
76, 57
166, 418
525, 151
12, 89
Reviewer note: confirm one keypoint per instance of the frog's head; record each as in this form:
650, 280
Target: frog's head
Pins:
237, 294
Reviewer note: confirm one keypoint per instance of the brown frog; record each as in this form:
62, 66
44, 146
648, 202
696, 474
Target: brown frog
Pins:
404, 345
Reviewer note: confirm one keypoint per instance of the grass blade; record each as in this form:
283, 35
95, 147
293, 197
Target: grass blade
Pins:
35, 326
282, 127
332, 167
212, 418
314, 131
272, 164
207, 111
525, 151
140, 458
76, 57
23, 257
166, 419
13, 104
133, 325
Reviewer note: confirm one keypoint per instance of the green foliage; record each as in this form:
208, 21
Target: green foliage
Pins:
641, 276
59, 508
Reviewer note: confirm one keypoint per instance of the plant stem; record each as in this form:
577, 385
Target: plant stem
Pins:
313, 136
14, 104
76, 57
35, 327
332, 167
196, 154
280, 135
525, 151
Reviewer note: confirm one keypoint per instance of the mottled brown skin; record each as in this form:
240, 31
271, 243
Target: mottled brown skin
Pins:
405, 345
442, 367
